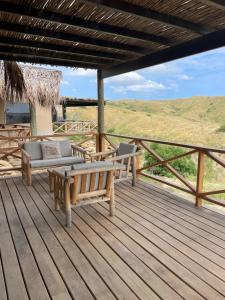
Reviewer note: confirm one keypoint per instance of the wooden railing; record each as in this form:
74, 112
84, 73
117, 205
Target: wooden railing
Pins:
80, 138
194, 189
74, 126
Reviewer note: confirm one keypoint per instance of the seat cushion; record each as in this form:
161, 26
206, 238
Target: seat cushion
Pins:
56, 162
33, 149
125, 148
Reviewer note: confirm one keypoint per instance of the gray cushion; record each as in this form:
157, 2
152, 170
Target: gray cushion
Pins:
33, 149
65, 147
55, 162
125, 148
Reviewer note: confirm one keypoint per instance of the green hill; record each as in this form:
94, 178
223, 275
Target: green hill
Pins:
197, 120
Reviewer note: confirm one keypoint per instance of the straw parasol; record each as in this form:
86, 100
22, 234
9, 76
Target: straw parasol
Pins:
29, 84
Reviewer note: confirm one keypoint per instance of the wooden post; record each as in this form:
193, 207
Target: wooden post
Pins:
200, 177
100, 83
137, 162
64, 112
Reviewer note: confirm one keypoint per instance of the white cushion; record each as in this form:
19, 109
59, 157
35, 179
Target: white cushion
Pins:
50, 150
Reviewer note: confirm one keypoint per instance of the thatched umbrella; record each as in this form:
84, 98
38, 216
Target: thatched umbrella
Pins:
29, 84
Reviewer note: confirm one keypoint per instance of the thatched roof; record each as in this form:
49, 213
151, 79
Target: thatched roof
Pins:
42, 85
112, 36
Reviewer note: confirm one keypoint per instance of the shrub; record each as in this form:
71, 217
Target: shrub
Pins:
221, 129
184, 165
111, 130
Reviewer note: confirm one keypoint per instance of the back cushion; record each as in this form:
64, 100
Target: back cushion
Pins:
65, 147
125, 148
33, 149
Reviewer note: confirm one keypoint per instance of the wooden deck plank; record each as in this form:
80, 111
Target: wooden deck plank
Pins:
34, 282
65, 268
158, 246
150, 261
145, 213
190, 220
173, 259
190, 210
3, 293
14, 282
157, 210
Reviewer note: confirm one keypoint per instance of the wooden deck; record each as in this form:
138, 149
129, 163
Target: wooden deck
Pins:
157, 247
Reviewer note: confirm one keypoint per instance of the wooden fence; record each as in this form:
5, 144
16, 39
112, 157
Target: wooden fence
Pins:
74, 126
202, 152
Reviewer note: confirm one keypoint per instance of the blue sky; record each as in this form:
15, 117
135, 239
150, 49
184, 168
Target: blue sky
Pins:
202, 74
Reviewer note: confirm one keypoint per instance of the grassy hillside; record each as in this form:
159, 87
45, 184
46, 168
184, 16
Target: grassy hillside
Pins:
197, 120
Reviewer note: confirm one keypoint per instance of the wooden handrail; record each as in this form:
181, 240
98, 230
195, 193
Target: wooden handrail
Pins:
189, 187
189, 146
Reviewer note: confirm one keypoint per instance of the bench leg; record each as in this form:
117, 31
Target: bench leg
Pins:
67, 202
112, 201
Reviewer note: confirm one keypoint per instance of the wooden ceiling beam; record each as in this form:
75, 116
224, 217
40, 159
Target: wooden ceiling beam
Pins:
204, 43
80, 23
141, 12
45, 60
61, 48
215, 3
45, 53
52, 34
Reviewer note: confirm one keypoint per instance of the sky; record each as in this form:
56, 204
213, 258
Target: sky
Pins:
198, 75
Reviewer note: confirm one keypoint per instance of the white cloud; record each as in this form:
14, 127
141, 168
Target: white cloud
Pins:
65, 82
131, 77
81, 72
185, 77
146, 86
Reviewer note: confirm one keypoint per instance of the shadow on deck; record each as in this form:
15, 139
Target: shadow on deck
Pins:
157, 246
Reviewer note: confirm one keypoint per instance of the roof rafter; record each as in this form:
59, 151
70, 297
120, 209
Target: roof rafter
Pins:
204, 43
45, 53
80, 23
15, 27
60, 48
216, 3
45, 60
149, 14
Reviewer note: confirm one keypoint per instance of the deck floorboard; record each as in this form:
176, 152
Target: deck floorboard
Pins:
158, 246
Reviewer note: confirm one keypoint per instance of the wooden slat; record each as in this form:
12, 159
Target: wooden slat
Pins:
92, 183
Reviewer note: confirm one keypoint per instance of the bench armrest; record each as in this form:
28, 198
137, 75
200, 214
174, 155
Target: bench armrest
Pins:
79, 151
102, 155
26, 158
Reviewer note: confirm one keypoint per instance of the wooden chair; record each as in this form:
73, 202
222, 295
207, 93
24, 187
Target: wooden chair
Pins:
88, 184
126, 154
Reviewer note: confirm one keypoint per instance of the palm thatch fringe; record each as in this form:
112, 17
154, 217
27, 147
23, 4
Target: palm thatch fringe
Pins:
41, 86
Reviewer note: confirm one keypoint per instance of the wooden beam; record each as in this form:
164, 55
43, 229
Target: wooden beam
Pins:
60, 48
142, 12
45, 60
53, 34
198, 45
46, 53
79, 22
215, 3
100, 83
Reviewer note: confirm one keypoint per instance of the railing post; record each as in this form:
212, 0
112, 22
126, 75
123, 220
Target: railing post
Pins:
137, 161
100, 83
200, 177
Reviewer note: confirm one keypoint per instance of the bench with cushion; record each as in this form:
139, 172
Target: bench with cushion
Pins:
41, 155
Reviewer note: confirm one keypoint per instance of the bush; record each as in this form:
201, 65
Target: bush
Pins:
184, 165
111, 130
221, 129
